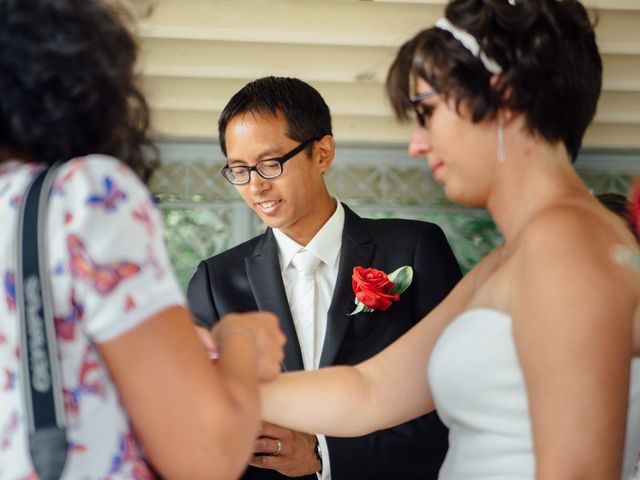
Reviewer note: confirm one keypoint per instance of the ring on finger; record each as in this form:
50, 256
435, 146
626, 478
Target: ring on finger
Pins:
279, 449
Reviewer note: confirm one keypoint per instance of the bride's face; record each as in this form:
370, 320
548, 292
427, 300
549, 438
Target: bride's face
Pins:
462, 155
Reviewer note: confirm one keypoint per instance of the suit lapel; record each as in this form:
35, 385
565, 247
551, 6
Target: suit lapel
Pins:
357, 249
265, 279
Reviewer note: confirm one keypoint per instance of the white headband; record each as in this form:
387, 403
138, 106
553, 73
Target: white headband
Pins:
470, 43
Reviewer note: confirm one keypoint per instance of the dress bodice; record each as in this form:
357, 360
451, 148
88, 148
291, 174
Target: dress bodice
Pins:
479, 391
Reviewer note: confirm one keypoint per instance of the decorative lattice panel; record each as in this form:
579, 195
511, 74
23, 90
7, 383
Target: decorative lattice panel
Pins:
205, 215
607, 182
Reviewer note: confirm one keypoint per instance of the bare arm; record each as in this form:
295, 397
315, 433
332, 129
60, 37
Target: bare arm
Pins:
194, 420
572, 325
386, 390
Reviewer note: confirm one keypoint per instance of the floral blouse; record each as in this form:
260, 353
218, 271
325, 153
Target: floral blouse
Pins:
109, 272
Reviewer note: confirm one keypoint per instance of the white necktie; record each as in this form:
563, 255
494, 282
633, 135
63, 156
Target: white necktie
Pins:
303, 306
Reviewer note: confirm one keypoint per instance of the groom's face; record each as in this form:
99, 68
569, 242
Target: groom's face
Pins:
293, 201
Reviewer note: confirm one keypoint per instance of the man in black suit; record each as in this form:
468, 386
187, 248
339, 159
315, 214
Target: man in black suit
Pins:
270, 122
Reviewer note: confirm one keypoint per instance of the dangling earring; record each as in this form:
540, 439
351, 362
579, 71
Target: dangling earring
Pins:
501, 153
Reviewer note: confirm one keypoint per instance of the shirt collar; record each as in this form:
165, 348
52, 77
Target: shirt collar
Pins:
325, 244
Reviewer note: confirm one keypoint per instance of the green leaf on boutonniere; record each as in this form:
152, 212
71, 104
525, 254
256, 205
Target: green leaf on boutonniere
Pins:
401, 278
360, 307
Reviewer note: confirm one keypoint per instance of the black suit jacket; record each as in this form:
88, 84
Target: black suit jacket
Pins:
248, 277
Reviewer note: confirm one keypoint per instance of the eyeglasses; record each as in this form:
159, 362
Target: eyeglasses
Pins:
423, 112
269, 168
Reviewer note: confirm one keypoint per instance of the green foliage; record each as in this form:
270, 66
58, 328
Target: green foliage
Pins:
198, 228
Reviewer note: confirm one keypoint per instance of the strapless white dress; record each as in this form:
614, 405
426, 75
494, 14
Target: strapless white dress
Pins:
479, 392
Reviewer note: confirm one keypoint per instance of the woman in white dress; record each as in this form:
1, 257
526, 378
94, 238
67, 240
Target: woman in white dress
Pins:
529, 359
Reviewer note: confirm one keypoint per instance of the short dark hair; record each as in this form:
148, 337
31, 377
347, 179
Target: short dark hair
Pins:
67, 83
552, 70
306, 113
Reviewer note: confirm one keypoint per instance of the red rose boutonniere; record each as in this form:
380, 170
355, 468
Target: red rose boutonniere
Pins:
375, 290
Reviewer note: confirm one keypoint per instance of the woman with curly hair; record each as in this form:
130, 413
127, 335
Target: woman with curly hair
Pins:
139, 392
528, 361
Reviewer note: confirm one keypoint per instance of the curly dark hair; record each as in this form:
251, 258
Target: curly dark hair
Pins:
551, 67
305, 111
67, 83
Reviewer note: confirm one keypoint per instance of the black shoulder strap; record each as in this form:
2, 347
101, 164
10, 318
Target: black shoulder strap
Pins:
41, 380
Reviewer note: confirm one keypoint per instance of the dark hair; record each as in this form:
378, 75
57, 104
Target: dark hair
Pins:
305, 111
551, 68
67, 83
621, 206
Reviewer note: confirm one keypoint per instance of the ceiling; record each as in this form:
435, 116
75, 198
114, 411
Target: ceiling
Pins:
197, 53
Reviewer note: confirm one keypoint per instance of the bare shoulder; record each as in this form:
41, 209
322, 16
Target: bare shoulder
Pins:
571, 248
577, 233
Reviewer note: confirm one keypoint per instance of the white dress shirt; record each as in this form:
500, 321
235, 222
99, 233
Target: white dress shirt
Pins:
326, 246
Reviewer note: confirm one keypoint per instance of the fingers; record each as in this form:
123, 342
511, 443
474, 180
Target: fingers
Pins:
293, 455
270, 453
268, 461
272, 349
289, 441
206, 339
264, 330
269, 446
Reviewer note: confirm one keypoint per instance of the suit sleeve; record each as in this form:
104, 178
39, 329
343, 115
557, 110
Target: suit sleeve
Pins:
416, 449
200, 297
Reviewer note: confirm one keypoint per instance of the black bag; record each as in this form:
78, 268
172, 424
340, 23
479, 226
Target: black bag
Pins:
41, 379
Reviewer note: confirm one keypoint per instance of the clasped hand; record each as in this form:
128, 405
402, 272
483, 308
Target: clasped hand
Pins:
296, 451
260, 328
